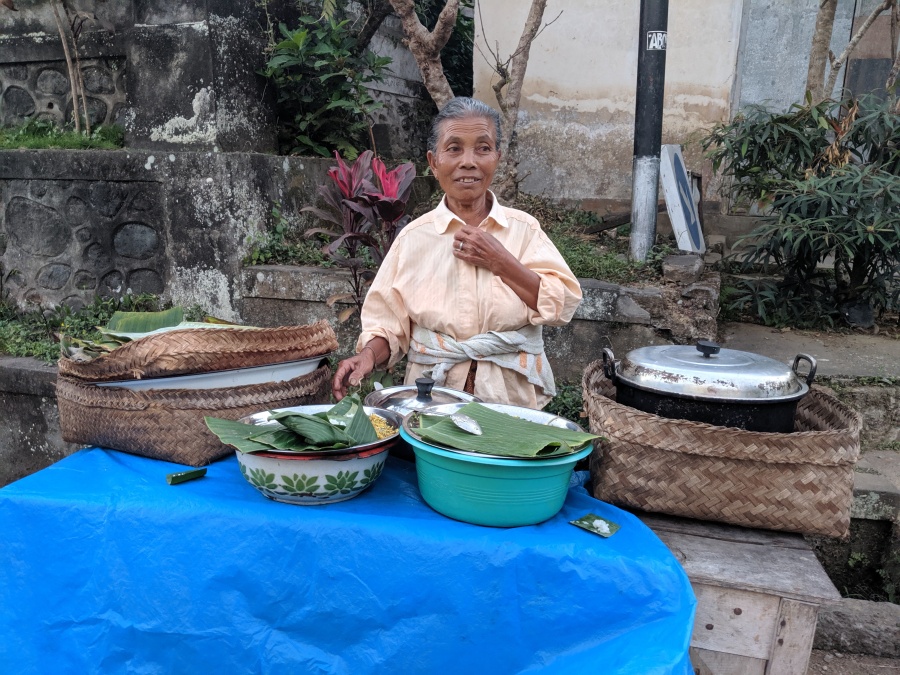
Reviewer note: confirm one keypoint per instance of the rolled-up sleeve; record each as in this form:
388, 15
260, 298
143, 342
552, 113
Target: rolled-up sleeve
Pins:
560, 293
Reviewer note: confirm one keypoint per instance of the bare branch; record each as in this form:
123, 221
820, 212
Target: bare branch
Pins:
839, 62
426, 46
445, 24
72, 82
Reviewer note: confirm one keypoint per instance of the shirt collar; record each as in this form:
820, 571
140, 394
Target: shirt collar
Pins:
443, 216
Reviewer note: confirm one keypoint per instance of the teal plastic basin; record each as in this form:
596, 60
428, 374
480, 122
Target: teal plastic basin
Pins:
489, 491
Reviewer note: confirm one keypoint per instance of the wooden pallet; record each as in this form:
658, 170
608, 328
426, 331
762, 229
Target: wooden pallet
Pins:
758, 595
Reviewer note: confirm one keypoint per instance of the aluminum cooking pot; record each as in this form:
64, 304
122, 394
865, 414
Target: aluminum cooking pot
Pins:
706, 383
407, 398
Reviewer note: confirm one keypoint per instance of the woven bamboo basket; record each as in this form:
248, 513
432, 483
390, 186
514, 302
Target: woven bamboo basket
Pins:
202, 350
796, 482
168, 424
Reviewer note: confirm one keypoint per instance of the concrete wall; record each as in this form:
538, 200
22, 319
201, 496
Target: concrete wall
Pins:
183, 75
74, 224
577, 112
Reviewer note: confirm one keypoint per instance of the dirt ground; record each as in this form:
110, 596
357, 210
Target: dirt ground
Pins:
836, 663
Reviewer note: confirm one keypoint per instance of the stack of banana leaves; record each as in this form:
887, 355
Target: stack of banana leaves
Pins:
501, 434
124, 327
345, 425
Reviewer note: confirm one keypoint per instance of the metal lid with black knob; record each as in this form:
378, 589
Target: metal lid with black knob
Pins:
706, 371
407, 398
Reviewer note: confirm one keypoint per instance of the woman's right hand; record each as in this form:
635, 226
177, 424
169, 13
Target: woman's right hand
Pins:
352, 371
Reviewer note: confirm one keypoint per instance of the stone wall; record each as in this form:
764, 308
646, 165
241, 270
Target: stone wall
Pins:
183, 76
75, 224
30, 437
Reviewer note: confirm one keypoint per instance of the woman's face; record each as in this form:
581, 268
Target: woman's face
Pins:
466, 158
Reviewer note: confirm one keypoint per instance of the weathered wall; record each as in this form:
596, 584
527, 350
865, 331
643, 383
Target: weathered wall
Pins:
74, 224
577, 114
183, 75
30, 437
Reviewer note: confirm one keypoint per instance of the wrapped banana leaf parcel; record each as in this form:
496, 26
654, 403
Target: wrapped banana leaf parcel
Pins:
501, 434
345, 425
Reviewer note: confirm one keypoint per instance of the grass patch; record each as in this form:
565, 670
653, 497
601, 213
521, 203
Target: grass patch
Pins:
37, 134
36, 332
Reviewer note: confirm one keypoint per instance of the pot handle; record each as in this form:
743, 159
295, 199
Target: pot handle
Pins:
609, 364
812, 366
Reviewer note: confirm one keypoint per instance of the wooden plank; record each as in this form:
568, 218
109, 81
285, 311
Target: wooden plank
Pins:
794, 634
720, 663
788, 573
710, 530
733, 621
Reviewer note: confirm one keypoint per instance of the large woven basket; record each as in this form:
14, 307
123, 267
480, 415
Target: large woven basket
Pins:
168, 424
797, 482
204, 350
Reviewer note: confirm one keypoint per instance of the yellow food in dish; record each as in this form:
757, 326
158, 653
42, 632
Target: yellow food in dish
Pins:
382, 428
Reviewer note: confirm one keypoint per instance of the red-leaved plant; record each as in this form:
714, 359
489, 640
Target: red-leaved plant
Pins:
367, 204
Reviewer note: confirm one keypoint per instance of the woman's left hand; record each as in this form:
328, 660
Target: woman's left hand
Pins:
476, 247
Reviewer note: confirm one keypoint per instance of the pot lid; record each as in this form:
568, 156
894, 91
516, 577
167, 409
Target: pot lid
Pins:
406, 398
706, 371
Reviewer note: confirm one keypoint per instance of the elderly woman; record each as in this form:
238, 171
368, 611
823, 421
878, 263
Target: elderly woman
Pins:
466, 288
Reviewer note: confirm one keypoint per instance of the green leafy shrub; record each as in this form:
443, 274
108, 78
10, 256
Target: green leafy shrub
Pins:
35, 332
323, 102
568, 402
828, 175
284, 242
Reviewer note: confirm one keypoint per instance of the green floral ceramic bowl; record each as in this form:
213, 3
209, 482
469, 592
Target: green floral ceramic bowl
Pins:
317, 477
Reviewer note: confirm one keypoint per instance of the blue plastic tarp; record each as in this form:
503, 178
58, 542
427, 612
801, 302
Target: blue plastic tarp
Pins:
106, 569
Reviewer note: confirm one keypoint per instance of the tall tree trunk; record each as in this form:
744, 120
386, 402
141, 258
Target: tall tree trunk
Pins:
426, 46
508, 90
837, 63
818, 54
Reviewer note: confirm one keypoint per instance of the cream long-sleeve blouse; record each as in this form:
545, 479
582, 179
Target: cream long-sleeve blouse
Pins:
421, 282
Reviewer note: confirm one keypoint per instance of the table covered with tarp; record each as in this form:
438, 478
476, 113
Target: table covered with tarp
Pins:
106, 568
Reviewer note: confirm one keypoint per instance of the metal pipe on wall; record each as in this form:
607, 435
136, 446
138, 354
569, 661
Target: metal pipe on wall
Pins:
651, 78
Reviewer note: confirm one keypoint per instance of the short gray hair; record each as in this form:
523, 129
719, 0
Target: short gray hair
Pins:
459, 108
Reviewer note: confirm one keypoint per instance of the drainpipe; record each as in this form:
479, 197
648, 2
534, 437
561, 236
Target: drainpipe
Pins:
651, 79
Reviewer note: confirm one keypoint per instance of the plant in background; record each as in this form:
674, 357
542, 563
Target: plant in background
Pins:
283, 243
828, 176
367, 217
321, 82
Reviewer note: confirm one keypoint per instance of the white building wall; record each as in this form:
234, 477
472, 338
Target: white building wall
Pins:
577, 112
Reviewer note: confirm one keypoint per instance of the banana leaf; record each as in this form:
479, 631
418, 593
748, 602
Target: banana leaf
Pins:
350, 415
280, 438
236, 434
250, 438
312, 429
502, 434
144, 322
124, 336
